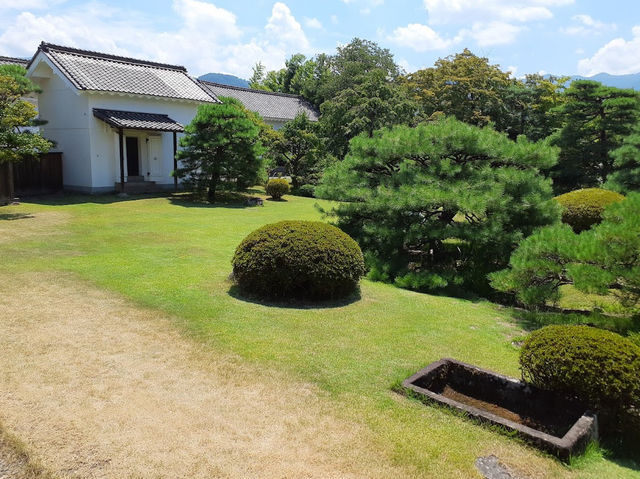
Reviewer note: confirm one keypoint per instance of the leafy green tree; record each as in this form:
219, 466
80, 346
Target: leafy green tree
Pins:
299, 150
16, 143
441, 204
596, 118
362, 94
368, 105
463, 85
626, 164
221, 149
257, 77
530, 107
597, 260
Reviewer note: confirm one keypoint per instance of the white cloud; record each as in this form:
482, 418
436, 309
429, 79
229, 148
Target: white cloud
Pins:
406, 66
586, 25
494, 22
205, 38
617, 57
285, 29
494, 33
371, 3
29, 4
463, 11
313, 23
420, 38
334, 19
513, 71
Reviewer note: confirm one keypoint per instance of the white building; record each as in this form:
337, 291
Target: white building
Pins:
117, 120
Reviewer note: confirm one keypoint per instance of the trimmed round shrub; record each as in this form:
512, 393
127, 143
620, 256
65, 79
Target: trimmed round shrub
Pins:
277, 188
298, 259
596, 366
583, 208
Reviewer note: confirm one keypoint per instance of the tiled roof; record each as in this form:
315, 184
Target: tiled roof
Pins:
95, 71
13, 61
276, 106
134, 120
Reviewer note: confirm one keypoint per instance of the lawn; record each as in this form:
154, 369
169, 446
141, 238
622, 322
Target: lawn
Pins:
174, 256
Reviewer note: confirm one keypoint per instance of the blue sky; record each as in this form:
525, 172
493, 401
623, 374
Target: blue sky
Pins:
525, 36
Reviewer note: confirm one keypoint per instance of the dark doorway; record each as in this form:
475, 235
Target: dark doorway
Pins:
133, 159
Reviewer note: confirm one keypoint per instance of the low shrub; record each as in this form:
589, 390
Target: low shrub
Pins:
277, 188
583, 208
298, 259
595, 366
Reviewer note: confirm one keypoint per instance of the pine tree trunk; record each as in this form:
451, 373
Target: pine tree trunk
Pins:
213, 183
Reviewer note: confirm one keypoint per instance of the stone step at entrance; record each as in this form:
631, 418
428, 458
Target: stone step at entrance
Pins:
137, 187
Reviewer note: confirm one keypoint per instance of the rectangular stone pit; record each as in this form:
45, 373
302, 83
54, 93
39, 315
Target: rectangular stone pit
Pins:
548, 421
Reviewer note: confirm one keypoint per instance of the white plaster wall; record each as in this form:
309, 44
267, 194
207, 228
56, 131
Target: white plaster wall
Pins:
66, 113
105, 154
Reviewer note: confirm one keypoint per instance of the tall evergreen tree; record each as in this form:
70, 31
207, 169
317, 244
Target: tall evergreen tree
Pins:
299, 149
530, 107
221, 149
626, 164
596, 118
368, 105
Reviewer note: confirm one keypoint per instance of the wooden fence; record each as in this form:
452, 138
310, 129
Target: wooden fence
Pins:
31, 177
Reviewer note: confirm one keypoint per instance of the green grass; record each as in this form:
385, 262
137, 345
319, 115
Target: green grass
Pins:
174, 256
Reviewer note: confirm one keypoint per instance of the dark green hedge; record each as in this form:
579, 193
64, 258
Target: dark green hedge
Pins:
594, 365
298, 259
583, 208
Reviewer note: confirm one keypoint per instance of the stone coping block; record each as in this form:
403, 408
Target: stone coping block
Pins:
551, 422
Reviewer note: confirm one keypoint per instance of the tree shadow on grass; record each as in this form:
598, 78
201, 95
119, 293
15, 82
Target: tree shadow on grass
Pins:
15, 216
236, 293
237, 200
65, 199
530, 320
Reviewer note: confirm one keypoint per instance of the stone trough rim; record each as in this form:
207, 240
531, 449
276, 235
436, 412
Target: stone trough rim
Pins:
563, 447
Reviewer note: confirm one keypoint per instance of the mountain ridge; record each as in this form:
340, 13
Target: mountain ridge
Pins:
224, 79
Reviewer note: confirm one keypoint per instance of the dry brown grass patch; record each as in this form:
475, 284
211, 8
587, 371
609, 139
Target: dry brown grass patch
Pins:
96, 387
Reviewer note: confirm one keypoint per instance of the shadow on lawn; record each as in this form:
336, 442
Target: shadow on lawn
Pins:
65, 199
236, 200
15, 216
236, 293
532, 320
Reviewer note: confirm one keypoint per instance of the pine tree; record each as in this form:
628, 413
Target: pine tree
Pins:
221, 149
595, 261
596, 120
626, 164
441, 204
16, 143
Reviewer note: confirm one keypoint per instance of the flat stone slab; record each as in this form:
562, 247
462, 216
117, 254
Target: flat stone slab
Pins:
490, 468
544, 419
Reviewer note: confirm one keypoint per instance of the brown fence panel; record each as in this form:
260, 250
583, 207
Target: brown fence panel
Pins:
38, 176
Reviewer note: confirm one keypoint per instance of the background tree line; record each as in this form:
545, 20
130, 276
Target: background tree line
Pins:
361, 89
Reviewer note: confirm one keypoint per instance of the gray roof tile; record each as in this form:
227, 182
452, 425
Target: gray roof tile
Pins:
13, 61
276, 106
110, 73
135, 120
